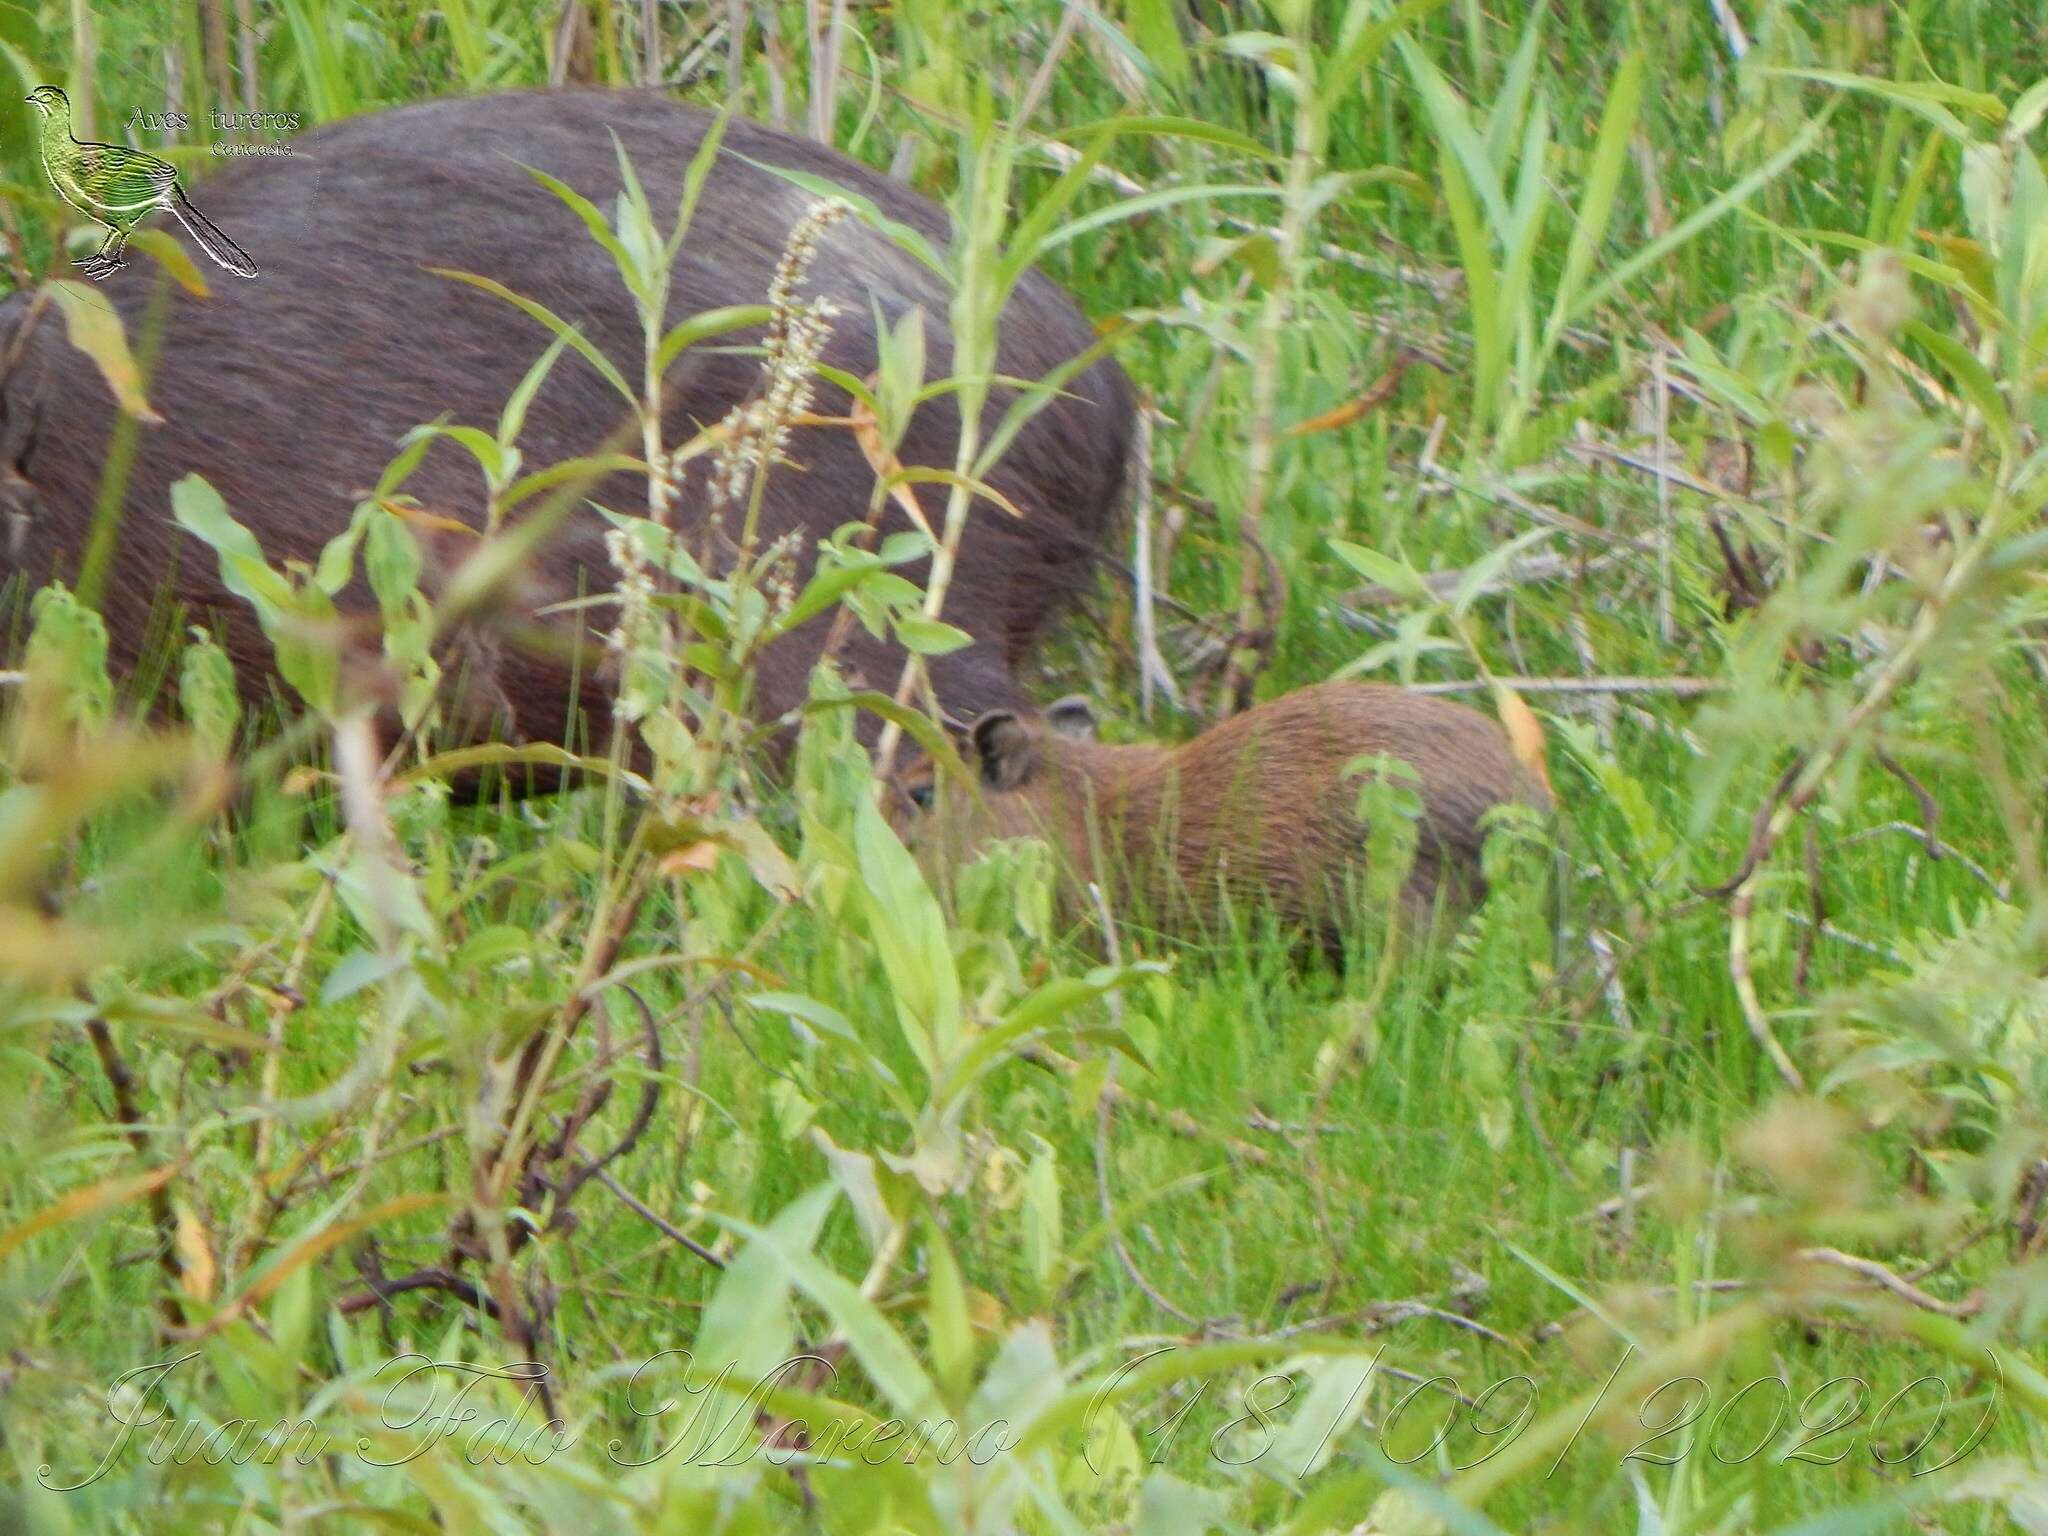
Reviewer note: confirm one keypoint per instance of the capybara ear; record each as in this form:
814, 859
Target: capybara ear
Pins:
1005, 749
1071, 716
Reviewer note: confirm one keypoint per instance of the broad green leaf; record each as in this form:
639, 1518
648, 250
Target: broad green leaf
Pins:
1155, 29
909, 934
887, 1358
1395, 575
931, 637
1970, 376
747, 1326
170, 255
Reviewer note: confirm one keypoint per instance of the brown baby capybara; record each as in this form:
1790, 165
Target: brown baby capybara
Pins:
1263, 807
290, 391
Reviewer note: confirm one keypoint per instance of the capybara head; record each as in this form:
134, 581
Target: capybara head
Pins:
1263, 807
1024, 767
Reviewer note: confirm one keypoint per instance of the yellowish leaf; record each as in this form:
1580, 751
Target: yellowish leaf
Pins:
1377, 395
196, 1269
420, 517
980, 488
95, 329
984, 1312
309, 1248
172, 258
1525, 732
696, 857
84, 1202
887, 467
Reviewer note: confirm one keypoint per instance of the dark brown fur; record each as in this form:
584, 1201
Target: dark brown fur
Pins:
290, 392
1259, 807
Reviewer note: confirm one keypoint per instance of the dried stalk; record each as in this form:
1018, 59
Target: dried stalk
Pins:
128, 1114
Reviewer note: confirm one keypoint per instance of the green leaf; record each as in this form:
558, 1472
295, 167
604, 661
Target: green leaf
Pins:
1145, 202
172, 258
1970, 376
909, 934
888, 1360
512, 420
1483, 570
499, 754
899, 374
1038, 1013
400, 469
918, 726
1362, 41
554, 322
952, 1341
899, 234
67, 657
1038, 394
747, 1325
481, 445
2028, 109
358, 969
1192, 128
1336, 1396
1596, 202
1929, 99
931, 637
199, 509
694, 178
592, 216
712, 322
588, 470
391, 559
1456, 137
337, 562
207, 696
1512, 100
1482, 290
631, 193
1155, 29
1041, 1212
825, 588
830, 1026
1395, 575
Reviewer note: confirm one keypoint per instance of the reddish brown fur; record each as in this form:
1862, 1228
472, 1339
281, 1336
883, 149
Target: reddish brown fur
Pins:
1258, 807
290, 392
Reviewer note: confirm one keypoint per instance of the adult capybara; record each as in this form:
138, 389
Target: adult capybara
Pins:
290, 392
1259, 808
